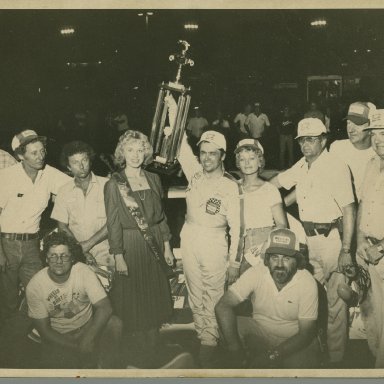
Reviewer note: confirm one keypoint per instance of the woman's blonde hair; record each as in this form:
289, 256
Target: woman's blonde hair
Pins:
127, 137
258, 152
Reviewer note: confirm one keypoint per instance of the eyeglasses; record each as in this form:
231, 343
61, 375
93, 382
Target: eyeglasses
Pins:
308, 139
55, 258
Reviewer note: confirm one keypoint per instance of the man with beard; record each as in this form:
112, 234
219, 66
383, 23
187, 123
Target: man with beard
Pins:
281, 332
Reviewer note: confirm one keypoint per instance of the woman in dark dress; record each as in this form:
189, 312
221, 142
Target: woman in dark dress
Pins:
141, 294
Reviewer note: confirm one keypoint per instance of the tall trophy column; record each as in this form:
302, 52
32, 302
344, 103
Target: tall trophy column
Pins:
170, 117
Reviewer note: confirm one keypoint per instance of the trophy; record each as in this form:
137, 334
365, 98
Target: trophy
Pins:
170, 117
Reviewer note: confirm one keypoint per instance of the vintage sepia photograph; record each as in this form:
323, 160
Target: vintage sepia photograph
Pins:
191, 189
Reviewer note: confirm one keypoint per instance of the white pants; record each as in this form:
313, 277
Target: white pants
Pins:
204, 252
323, 255
372, 311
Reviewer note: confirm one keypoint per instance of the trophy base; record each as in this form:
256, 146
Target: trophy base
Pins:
163, 168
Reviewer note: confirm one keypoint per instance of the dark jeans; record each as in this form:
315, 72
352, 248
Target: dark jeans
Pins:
24, 261
107, 352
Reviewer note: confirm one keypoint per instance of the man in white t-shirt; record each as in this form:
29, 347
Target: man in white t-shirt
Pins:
240, 119
356, 151
281, 332
256, 122
71, 310
197, 124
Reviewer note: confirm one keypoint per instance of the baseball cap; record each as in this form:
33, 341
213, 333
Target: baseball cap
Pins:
376, 120
358, 113
283, 242
310, 126
214, 137
249, 143
25, 137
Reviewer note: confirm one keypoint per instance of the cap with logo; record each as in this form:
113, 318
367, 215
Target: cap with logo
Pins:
249, 143
359, 112
282, 241
376, 120
25, 137
215, 138
310, 127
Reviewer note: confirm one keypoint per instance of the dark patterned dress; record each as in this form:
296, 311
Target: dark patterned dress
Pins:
143, 300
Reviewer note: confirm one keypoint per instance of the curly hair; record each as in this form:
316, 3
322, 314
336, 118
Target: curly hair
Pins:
61, 238
125, 138
73, 148
258, 152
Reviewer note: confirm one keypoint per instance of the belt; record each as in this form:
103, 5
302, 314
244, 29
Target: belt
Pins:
20, 236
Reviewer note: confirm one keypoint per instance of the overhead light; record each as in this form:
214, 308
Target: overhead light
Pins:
67, 31
191, 26
319, 23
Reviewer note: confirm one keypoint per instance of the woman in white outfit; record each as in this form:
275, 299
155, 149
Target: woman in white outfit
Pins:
263, 208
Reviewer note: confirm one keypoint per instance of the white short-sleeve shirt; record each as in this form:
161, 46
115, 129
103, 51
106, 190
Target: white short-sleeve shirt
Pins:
356, 160
276, 312
84, 214
23, 201
322, 190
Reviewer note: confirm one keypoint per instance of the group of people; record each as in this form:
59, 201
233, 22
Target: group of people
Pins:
237, 245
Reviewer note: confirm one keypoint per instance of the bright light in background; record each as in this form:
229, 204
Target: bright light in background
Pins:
368, 50
191, 26
319, 23
67, 31
355, 50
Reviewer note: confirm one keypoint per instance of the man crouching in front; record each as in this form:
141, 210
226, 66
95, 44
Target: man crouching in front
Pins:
282, 330
71, 311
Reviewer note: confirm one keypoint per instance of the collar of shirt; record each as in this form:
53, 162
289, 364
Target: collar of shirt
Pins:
92, 181
322, 159
39, 175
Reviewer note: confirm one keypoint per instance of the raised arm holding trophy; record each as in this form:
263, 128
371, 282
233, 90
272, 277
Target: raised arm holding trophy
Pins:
170, 116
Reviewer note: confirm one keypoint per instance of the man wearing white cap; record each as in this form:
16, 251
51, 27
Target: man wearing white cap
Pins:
25, 190
212, 205
327, 211
370, 236
356, 151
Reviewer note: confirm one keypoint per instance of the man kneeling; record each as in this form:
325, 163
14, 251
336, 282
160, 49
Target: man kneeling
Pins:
71, 311
282, 330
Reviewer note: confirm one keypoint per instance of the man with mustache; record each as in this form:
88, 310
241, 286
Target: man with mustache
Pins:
281, 332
